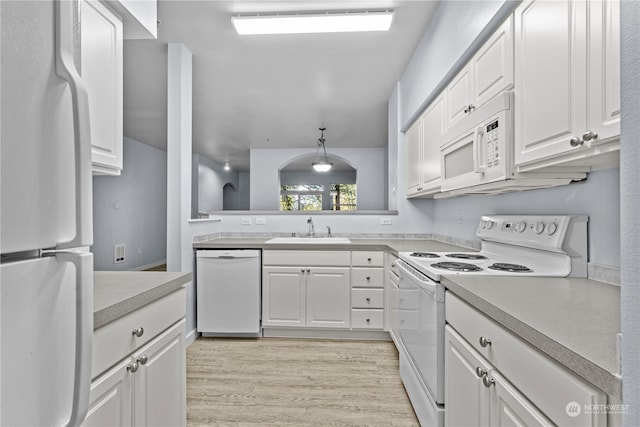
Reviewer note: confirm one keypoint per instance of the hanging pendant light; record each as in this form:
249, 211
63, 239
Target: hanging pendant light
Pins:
322, 165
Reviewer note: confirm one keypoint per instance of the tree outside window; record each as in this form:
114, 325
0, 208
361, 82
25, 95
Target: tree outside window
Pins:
301, 197
343, 197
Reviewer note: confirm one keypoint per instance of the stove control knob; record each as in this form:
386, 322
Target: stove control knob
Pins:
539, 227
552, 228
483, 224
521, 226
490, 224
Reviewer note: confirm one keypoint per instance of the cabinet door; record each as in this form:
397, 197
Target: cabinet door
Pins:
102, 74
550, 77
509, 407
434, 126
328, 297
283, 296
604, 69
414, 157
459, 96
493, 65
159, 387
466, 399
110, 398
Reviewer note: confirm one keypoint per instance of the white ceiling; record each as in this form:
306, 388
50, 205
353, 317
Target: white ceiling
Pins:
271, 91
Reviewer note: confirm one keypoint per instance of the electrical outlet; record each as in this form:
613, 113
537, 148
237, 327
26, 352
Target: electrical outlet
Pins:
459, 216
246, 221
385, 221
118, 254
261, 221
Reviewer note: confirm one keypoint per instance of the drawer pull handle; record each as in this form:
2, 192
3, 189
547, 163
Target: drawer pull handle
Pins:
133, 367
369, 259
302, 270
142, 359
368, 299
481, 372
368, 320
308, 270
368, 278
488, 382
138, 332
484, 342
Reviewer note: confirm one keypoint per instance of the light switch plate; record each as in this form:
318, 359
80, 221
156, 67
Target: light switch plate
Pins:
246, 221
261, 221
385, 221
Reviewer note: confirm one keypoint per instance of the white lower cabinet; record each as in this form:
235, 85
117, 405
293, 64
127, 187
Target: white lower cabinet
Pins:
476, 394
494, 378
306, 295
146, 386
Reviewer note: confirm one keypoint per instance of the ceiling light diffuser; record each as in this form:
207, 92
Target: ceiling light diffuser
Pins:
313, 23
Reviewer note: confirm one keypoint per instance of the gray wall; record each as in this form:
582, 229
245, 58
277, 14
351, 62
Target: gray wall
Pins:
266, 164
131, 209
209, 179
630, 210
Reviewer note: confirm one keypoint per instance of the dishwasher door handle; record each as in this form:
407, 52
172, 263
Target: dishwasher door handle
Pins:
227, 257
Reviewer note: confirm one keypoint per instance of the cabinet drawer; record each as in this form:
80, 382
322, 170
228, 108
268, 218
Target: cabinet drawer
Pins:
367, 259
367, 298
114, 341
367, 277
367, 319
306, 258
544, 382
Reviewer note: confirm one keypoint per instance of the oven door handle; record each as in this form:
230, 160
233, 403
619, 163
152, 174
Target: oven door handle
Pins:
432, 288
479, 164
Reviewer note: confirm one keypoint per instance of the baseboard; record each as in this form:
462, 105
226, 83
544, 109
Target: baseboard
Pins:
325, 334
148, 266
191, 337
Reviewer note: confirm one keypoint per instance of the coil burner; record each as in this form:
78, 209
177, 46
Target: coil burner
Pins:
512, 268
424, 255
456, 266
467, 256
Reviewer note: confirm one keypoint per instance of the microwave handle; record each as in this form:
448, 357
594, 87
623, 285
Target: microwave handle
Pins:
479, 165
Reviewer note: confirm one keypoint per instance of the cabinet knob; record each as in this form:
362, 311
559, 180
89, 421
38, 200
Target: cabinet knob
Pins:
488, 382
480, 372
133, 367
484, 342
368, 299
302, 270
369, 259
368, 320
589, 135
308, 270
368, 278
469, 108
575, 141
138, 332
142, 359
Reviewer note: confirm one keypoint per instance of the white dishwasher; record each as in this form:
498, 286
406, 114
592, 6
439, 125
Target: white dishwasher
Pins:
228, 292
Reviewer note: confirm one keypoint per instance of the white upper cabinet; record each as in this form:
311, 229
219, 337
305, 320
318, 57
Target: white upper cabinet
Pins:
567, 81
492, 66
101, 52
423, 150
489, 72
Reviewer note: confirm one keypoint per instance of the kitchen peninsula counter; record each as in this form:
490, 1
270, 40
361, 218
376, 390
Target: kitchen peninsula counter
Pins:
117, 293
573, 321
357, 244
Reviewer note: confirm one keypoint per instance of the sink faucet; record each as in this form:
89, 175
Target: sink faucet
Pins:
329, 230
311, 228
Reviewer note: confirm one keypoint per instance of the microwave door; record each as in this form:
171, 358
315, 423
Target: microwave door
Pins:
463, 161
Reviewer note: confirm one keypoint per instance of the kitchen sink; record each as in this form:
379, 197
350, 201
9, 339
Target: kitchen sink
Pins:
312, 240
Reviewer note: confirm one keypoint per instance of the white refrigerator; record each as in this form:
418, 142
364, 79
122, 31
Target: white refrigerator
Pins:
46, 272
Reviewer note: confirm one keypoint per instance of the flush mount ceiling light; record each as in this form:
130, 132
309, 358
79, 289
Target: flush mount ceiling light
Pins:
226, 166
323, 165
303, 23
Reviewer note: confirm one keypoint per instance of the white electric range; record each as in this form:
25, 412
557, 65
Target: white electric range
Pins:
511, 245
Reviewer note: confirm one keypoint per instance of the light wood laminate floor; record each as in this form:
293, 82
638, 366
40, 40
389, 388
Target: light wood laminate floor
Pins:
295, 382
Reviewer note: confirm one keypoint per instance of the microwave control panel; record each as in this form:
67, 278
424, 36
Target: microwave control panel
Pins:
493, 146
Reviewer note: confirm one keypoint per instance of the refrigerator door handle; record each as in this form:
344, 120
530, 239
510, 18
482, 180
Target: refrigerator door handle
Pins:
83, 262
67, 26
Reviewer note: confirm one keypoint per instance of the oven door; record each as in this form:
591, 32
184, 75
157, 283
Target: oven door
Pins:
421, 319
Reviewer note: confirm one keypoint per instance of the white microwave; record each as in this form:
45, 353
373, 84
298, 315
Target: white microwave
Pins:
481, 150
